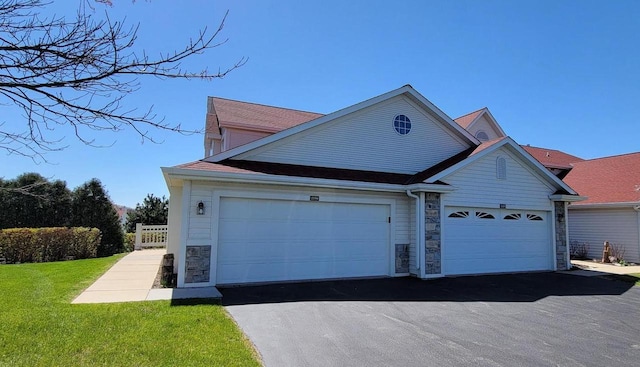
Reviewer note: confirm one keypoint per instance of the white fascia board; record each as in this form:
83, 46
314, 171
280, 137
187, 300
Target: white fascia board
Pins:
173, 174
628, 204
407, 89
567, 198
532, 162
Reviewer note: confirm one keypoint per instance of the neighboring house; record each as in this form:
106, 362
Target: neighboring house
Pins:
560, 163
122, 211
612, 210
390, 186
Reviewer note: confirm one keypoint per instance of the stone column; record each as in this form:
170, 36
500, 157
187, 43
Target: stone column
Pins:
198, 264
561, 224
432, 218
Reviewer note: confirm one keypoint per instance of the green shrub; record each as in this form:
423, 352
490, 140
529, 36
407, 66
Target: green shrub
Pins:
48, 244
129, 241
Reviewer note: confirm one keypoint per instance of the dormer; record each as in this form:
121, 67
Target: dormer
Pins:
481, 125
231, 123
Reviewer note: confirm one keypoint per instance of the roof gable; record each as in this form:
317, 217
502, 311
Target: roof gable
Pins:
489, 147
607, 180
481, 120
352, 133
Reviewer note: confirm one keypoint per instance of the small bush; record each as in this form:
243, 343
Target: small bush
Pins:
129, 242
616, 253
578, 250
20, 245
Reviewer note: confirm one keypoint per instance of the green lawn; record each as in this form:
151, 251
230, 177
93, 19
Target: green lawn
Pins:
39, 326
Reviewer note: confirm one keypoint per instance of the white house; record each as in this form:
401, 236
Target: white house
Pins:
390, 186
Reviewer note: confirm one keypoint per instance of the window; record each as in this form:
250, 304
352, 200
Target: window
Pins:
501, 168
513, 216
482, 136
461, 214
483, 215
534, 217
402, 124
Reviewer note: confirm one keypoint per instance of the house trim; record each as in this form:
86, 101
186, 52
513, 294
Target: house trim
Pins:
175, 174
631, 204
184, 232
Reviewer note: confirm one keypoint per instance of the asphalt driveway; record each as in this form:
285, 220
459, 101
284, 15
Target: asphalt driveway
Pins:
538, 319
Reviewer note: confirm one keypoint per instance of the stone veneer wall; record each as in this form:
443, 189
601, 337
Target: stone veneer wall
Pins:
561, 235
432, 220
198, 264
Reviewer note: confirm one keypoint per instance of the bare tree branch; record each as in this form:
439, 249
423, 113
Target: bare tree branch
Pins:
75, 74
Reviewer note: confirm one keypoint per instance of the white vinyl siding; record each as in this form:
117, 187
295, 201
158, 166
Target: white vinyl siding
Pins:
366, 140
477, 185
594, 226
484, 125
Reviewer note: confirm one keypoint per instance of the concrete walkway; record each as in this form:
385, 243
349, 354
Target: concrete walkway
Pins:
131, 279
592, 268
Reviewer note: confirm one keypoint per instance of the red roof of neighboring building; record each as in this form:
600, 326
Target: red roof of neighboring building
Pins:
607, 180
552, 158
258, 117
467, 119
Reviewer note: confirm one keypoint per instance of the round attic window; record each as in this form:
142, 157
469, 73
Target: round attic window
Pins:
402, 124
482, 136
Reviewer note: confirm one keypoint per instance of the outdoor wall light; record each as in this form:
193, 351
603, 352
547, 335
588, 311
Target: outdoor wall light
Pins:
200, 208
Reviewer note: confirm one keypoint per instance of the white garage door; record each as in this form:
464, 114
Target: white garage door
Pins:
478, 240
275, 240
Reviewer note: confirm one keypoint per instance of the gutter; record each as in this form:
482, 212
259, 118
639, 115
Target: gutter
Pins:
172, 173
628, 204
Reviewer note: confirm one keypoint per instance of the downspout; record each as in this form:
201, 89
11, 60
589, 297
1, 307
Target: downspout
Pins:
418, 229
637, 209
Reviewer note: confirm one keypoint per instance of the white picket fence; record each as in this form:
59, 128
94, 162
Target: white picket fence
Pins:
151, 236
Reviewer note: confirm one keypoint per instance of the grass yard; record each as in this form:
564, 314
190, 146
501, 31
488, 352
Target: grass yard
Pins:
39, 326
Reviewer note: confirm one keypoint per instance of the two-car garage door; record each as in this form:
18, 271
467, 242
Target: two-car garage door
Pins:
263, 240
481, 240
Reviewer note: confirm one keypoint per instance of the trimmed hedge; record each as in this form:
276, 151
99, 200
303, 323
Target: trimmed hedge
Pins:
21, 245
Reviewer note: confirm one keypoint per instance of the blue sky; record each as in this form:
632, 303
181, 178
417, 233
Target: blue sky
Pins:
558, 74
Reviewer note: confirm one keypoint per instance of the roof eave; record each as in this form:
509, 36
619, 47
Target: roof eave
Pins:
174, 176
626, 204
567, 198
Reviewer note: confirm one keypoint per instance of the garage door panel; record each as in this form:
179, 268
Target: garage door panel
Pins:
274, 240
479, 245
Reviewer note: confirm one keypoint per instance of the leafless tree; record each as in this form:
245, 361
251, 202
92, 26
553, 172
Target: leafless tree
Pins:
72, 74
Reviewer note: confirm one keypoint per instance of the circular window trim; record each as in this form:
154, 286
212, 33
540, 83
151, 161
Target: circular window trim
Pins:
401, 124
